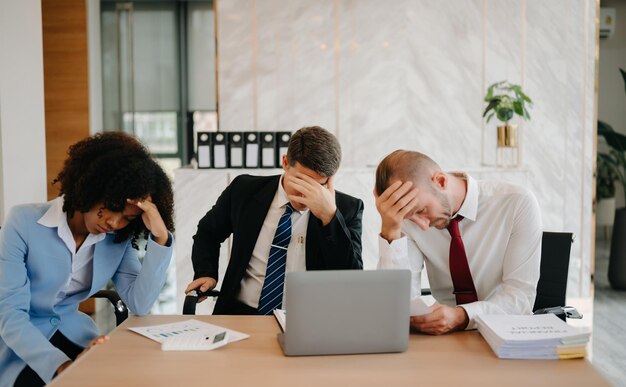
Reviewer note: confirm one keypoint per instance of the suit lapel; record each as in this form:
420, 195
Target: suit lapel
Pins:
312, 236
253, 215
106, 258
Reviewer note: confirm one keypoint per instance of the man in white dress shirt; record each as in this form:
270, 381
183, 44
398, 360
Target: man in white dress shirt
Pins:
500, 228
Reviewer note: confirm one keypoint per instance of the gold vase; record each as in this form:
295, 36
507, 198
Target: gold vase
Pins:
507, 151
507, 136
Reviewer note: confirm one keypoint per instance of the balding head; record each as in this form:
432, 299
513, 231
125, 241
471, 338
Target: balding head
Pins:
405, 166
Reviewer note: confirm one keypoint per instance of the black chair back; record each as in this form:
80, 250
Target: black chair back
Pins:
119, 308
555, 253
191, 299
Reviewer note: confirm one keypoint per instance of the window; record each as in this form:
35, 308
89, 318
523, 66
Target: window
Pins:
158, 65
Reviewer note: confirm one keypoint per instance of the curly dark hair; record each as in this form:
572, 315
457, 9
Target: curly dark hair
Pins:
109, 168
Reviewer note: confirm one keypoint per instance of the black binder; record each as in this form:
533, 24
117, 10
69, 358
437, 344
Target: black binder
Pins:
282, 142
219, 144
268, 149
235, 146
251, 144
203, 152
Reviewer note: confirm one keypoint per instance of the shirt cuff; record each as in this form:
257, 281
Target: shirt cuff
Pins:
329, 230
394, 254
168, 244
472, 309
59, 359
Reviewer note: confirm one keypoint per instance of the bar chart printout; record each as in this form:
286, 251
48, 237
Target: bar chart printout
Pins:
160, 333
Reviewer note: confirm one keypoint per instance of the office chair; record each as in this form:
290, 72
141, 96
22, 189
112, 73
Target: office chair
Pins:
191, 299
552, 285
120, 309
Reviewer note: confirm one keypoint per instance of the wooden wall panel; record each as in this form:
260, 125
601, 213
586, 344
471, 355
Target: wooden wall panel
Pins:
66, 80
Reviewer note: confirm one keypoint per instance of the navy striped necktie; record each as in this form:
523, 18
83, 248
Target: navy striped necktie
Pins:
272, 292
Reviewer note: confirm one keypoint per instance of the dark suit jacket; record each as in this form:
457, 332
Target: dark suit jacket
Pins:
241, 209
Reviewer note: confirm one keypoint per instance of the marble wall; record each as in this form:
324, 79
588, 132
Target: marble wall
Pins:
412, 74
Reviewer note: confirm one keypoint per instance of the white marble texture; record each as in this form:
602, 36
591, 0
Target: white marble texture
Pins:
502, 42
373, 71
412, 74
561, 133
444, 83
236, 91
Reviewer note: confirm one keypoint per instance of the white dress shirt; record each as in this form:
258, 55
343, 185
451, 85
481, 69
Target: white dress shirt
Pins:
82, 260
501, 232
252, 282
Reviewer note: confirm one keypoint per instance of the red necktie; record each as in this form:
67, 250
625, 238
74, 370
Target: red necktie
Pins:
464, 289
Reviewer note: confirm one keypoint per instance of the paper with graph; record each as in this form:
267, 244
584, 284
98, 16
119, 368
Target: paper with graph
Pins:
161, 333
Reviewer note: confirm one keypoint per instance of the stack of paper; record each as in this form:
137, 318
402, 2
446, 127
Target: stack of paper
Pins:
190, 335
281, 317
543, 336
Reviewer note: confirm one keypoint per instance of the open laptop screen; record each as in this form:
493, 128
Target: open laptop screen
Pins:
346, 312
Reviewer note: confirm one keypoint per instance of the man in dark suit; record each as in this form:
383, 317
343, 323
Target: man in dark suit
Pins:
290, 222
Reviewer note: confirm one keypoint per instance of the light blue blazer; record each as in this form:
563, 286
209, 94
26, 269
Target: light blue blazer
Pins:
35, 266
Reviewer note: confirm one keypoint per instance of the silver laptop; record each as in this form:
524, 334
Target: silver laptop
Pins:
346, 312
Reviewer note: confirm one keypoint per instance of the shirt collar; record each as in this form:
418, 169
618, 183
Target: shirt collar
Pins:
469, 208
56, 217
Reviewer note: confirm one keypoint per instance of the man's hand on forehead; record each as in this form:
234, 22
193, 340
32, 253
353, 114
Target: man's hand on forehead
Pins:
398, 202
318, 198
310, 180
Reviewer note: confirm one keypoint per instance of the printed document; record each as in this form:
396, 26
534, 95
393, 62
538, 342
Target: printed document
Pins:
281, 317
542, 336
161, 333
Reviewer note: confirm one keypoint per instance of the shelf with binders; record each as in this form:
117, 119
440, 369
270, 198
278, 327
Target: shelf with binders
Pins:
241, 149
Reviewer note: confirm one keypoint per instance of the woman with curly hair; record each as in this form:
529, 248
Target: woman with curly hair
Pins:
55, 255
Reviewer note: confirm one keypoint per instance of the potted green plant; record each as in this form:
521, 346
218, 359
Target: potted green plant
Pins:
606, 176
615, 160
504, 101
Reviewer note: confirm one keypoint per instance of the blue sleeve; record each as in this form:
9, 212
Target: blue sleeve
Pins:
139, 284
16, 329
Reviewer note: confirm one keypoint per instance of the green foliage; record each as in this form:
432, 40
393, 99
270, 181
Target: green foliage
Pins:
504, 100
605, 176
612, 165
